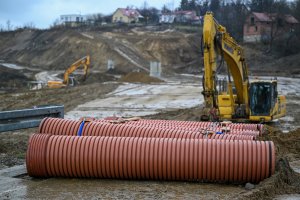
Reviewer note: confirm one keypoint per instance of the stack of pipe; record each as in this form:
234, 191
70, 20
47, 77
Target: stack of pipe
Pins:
237, 128
101, 149
57, 126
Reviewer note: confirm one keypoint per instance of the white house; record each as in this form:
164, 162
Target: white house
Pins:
185, 16
73, 19
167, 18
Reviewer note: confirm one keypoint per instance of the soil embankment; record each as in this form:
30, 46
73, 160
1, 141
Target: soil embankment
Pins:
130, 49
138, 77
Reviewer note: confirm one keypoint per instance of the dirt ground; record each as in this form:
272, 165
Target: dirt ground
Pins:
285, 181
51, 51
69, 97
13, 147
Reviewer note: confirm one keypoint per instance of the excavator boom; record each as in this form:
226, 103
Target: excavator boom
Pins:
84, 62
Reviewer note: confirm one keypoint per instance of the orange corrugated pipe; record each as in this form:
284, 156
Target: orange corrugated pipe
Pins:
235, 126
150, 158
56, 126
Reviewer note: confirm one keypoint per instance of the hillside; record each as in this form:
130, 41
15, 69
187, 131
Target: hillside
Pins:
56, 49
130, 49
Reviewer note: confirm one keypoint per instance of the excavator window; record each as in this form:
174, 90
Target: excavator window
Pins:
261, 98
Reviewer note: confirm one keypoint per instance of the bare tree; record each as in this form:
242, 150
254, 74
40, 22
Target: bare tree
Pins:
96, 19
296, 9
145, 5
280, 8
29, 25
184, 5
215, 5
165, 9
8, 25
55, 24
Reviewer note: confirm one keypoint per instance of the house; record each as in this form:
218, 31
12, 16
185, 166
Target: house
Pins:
186, 16
167, 18
73, 20
126, 15
262, 26
182, 16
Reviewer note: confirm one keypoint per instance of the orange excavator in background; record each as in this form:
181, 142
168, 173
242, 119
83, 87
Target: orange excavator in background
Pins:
85, 62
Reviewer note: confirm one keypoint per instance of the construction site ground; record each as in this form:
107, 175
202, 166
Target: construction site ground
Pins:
176, 97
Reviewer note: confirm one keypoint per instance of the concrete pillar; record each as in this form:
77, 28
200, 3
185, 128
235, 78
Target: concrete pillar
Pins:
155, 69
110, 64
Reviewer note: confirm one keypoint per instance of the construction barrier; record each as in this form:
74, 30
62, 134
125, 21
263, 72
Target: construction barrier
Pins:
150, 158
28, 118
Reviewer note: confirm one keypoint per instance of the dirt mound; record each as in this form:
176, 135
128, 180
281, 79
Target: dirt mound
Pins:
138, 77
284, 181
288, 144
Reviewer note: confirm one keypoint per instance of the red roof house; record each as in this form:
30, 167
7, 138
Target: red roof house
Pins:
259, 26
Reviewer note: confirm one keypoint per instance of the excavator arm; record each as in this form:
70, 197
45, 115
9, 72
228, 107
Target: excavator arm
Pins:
234, 57
218, 42
210, 57
84, 62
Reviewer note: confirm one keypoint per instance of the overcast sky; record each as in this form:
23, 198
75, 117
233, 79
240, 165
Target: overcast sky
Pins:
44, 12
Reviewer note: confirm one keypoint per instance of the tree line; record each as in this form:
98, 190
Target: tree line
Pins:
232, 13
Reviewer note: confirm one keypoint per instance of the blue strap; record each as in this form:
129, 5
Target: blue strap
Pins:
219, 133
80, 129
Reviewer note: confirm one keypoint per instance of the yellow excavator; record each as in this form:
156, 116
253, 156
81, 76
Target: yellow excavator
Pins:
241, 100
85, 62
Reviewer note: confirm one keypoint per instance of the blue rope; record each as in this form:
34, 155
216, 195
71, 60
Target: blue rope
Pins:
80, 129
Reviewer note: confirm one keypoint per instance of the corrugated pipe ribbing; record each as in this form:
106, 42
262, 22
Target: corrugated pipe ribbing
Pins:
150, 158
235, 126
187, 128
69, 127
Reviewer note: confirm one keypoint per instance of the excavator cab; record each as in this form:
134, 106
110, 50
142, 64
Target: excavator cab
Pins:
263, 97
